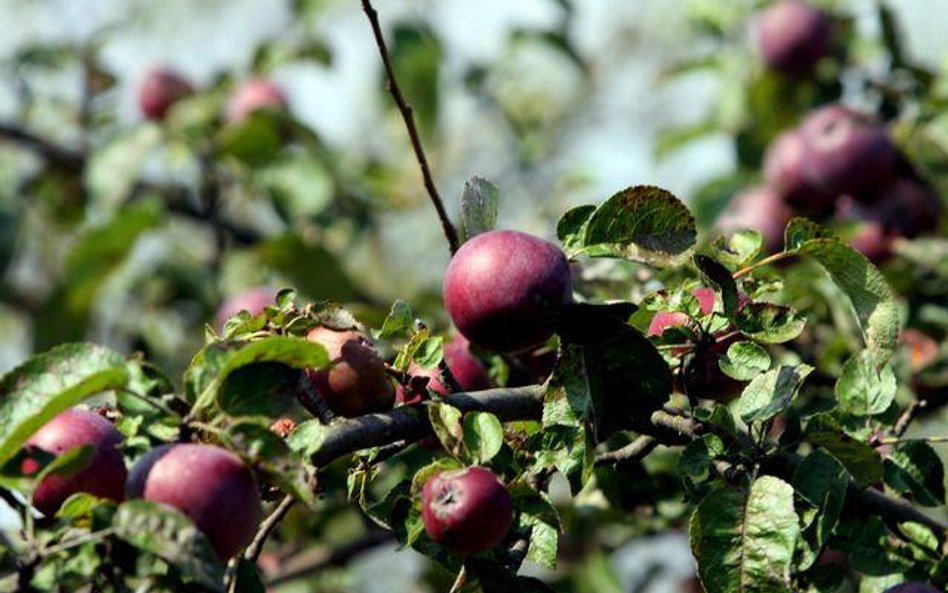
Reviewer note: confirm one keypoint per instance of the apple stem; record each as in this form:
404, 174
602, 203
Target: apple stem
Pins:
764, 262
406, 111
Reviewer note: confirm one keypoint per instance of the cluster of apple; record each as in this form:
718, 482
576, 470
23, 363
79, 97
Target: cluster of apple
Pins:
163, 87
504, 290
838, 164
211, 485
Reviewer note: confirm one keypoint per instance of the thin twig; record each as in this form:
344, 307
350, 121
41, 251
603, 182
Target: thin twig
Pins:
406, 111
764, 262
905, 419
637, 449
268, 525
71, 160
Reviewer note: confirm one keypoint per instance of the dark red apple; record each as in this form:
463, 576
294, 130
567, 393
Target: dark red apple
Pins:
357, 382
103, 477
666, 319
259, 93
793, 36
702, 376
468, 511
758, 209
505, 290
209, 484
253, 301
786, 171
848, 152
469, 372
161, 89
912, 588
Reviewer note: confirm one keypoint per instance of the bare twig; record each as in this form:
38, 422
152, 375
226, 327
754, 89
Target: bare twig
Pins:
406, 111
637, 449
269, 524
71, 160
909, 414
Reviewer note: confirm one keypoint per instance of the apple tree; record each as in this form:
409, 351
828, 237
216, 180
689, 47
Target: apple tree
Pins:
759, 366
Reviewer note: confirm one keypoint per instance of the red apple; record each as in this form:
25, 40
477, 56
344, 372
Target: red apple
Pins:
505, 290
793, 36
469, 372
848, 152
259, 93
703, 377
786, 163
209, 484
161, 89
666, 319
253, 301
468, 511
357, 382
758, 209
103, 477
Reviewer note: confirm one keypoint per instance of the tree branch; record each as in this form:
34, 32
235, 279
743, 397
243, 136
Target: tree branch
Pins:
406, 111
269, 524
410, 423
71, 160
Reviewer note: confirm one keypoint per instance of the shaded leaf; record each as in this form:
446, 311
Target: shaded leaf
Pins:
49, 383
479, 203
642, 223
864, 390
866, 287
745, 540
163, 531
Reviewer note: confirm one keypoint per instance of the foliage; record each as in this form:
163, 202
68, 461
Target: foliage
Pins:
776, 427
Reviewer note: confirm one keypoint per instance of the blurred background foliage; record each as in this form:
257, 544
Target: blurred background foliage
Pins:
106, 234
131, 232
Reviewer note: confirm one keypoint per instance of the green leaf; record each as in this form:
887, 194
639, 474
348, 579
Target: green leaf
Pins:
308, 437
399, 323
429, 352
483, 436
769, 323
737, 249
210, 369
163, 531
642, 223
821, 480
269, 454
800, 230
719, 276
745, 540
613, 377
446, 422
255, 140
860, 459
771, 393
424, 474
697, 458
478, 206
915, 469
49, 383
745, 361
671, 140
571, 228
864, 390
866, 287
